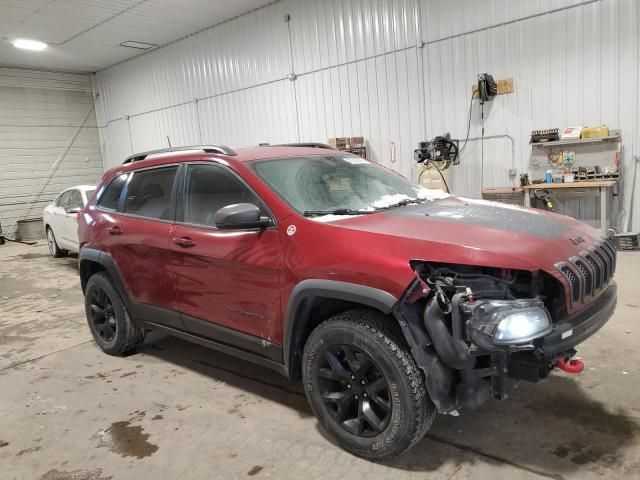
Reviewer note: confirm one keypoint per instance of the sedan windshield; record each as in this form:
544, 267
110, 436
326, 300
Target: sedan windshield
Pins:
339, 185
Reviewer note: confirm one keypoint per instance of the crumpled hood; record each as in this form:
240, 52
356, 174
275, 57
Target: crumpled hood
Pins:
479, 232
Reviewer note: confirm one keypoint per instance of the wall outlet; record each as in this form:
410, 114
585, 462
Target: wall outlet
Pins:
513, 172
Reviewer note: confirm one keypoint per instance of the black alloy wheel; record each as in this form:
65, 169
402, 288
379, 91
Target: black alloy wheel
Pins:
103, 316
364, 386
113, 329
354, 391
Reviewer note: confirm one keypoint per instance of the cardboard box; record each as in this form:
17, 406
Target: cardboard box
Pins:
339, 143
357, 142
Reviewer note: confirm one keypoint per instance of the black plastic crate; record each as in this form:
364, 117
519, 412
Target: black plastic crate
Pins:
626, 241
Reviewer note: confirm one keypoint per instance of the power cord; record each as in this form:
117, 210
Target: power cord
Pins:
468, 122
439, 171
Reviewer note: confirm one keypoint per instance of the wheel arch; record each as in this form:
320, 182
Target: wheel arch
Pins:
313, 301
93, 261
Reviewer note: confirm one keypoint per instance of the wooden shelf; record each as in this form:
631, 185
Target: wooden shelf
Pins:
583, 184
578, 141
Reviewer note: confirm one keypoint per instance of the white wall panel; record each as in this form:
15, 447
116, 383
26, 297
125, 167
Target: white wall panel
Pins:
237, 54
41, 114
374, 98
177, 125
264, 114
361, 71
116, 142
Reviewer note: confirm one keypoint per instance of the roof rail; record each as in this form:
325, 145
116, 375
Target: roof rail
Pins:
306, 144
221, 149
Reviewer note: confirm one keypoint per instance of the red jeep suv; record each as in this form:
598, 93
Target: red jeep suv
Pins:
390, 302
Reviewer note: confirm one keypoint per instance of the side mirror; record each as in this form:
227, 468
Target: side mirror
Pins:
240, 216
72, 209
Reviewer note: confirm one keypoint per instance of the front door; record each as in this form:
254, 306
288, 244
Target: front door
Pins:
226, 280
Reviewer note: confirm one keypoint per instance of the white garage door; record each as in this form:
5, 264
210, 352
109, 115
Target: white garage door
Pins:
48, 140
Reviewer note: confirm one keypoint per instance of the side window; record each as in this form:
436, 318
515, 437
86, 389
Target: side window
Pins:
149, 193
88, 194
111, 195
75, 199
208, 189
63, 199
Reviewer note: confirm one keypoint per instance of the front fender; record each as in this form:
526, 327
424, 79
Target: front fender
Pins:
297, 313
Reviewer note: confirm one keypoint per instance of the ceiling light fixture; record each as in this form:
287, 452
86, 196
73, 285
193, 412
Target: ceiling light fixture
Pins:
29, 44
138, 45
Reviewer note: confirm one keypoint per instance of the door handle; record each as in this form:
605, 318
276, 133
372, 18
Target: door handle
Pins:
114, 230
184, 242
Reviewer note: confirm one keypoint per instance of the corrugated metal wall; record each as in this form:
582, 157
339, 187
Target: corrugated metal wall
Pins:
396, 72
40, 113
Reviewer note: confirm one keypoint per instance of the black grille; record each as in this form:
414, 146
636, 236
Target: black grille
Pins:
590, 272
586, 275
605, 262
574, 282
597, 270
608, 246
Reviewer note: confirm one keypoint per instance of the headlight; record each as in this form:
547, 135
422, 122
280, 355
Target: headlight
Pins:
521, 326
508, 322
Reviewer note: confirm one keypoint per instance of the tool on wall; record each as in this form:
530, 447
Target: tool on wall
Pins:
439, 153
442, 151
487, 87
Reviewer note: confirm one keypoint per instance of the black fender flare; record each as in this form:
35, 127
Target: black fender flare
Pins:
106, 261
306, 289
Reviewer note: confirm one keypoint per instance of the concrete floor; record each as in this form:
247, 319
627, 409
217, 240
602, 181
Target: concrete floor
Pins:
176, 410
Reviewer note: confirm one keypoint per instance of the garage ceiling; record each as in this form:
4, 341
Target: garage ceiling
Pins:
86, 35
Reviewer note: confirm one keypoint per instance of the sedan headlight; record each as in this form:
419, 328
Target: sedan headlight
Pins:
508, 322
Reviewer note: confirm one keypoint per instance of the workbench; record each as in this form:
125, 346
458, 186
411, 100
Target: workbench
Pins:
600, 185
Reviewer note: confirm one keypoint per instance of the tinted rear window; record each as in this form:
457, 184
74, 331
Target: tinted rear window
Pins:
111, 195
149, 193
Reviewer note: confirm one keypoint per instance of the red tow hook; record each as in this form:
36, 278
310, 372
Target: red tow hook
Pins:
571, 366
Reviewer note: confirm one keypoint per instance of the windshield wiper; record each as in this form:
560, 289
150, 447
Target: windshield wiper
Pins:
402, 203
337, 211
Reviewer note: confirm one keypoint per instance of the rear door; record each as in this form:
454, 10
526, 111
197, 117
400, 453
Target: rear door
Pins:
68, 223
136, 232
57, 214
226, 280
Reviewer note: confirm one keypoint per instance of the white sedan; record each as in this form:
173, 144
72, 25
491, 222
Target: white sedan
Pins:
60, 222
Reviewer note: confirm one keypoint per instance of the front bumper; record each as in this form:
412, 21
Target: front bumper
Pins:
569, 332
560, 342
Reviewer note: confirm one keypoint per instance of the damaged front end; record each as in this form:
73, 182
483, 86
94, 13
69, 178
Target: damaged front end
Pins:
476, 329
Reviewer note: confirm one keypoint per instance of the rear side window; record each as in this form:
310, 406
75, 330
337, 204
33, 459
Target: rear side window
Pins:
111, 195
208, 189
149, 193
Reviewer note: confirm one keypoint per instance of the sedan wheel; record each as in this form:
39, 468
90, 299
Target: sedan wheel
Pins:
53, 245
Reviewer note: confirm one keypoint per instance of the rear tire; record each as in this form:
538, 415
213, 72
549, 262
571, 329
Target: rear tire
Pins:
54, 250
108, 318
364, 387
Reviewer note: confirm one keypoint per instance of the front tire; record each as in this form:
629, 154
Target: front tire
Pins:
108, 318
364, 386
